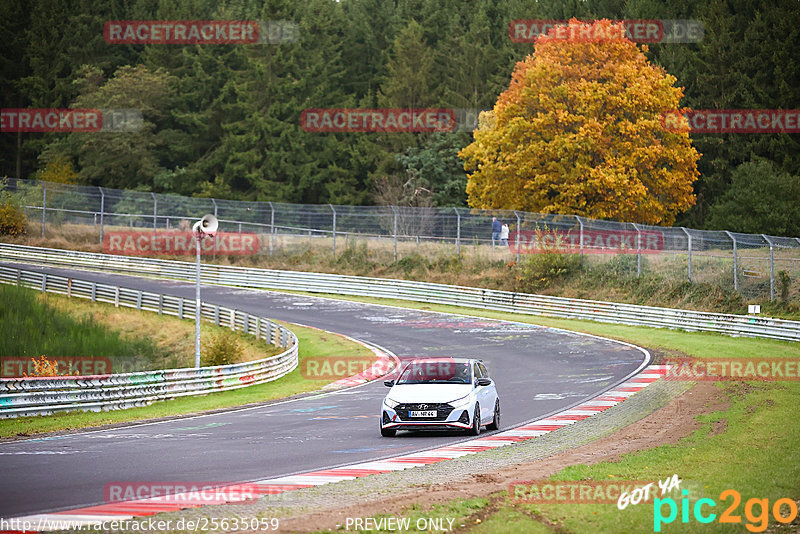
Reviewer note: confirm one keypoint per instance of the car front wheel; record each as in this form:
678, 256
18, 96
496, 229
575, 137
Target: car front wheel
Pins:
476, 422
495, 424
388, 432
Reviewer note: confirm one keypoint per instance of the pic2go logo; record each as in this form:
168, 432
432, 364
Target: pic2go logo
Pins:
757, 523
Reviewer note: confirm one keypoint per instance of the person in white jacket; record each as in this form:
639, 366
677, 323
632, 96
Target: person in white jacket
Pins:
504, 235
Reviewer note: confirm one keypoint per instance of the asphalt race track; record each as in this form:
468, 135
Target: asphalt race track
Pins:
537, 370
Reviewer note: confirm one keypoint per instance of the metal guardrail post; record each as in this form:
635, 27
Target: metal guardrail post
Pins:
395, 232
44, 206
271, 226
771, 267
735, 262
334, 228
458, 232
519, 229
102, 211
689, 248
216, 243
155, 213
638, 250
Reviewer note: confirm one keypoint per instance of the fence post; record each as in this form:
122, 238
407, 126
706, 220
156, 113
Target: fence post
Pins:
271, 226
102, 211
771, 267
638, 250
519, 229
689, 247
216, 246
334, 228
395, 232
44, 205
155, 213
580, 222
735, 262
458, 232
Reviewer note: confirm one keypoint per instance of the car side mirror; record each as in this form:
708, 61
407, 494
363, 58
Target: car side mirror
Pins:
484, 382
388, 383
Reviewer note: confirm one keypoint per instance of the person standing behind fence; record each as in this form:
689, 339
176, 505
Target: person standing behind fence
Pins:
504, 235
496, 229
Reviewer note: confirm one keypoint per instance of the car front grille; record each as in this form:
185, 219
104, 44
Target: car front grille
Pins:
442, 411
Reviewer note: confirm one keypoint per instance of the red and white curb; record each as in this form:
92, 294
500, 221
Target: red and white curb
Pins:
273, 486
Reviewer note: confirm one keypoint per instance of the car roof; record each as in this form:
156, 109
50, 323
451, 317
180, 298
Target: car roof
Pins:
442, 359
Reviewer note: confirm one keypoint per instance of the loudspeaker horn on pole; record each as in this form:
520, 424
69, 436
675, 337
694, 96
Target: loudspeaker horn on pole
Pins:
207, 225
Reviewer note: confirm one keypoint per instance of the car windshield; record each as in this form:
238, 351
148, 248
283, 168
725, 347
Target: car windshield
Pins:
438, 372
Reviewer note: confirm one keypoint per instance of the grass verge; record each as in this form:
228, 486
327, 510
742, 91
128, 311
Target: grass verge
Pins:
313, 343
36, 324
750, 448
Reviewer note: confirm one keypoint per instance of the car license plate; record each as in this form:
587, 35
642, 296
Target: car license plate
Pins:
422, 413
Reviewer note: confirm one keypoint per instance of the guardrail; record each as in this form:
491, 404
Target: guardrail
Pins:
489, 299
41, 396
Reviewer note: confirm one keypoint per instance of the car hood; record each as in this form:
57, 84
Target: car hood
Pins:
406, 393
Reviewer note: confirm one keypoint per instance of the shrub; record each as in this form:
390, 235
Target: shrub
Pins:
43, 367
540, 270
222, 349
356, 257
784, 281
622, 265
12, 216
412, 262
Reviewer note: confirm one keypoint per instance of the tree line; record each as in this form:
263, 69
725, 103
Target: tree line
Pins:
224, 120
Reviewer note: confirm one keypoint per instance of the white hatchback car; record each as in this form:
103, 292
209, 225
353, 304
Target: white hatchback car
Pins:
441, 394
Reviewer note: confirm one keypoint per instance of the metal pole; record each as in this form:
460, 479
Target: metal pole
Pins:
155, 213
334, 228
638, 251
735, 262
519, 229
771, 267
44, 206
458, 232
216, 246
395, 233
198, 235
580, 222
271, 226
102, 211
689, 247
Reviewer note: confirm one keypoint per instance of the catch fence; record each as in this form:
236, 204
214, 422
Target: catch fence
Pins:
756, 265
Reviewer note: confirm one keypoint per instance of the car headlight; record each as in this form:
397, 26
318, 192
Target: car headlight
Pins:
459, 403
390, 403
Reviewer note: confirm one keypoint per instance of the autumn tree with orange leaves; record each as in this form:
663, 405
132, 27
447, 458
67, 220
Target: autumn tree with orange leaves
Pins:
579, 131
